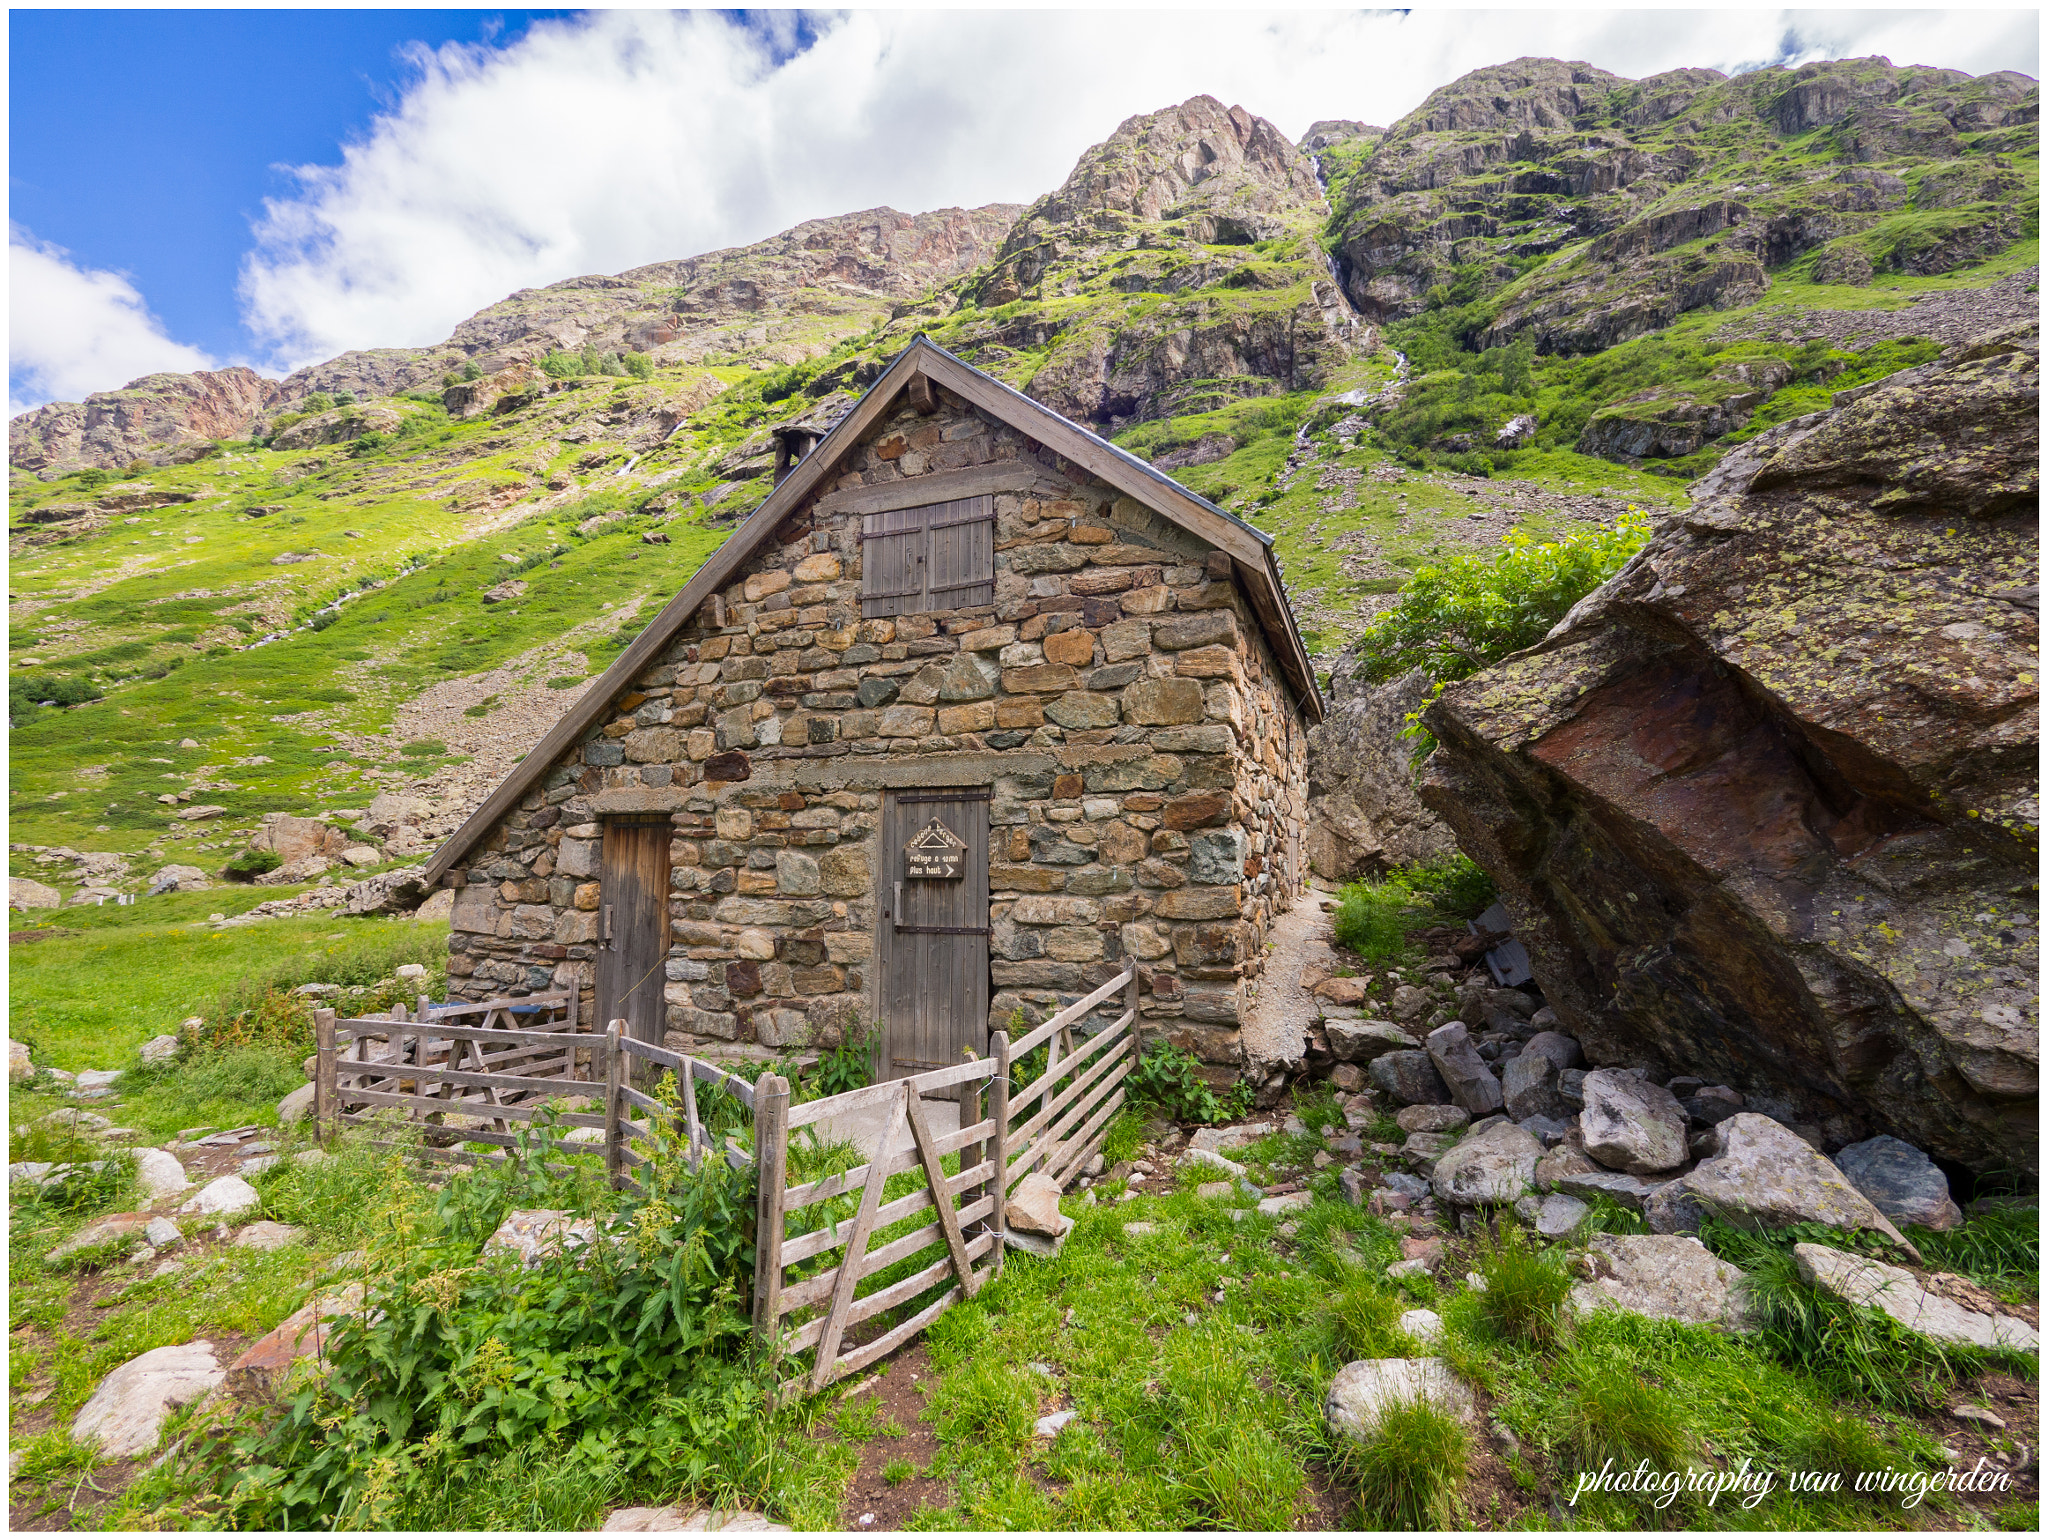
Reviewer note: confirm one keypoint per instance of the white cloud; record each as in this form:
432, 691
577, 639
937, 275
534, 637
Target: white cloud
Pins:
73, 330
605, 141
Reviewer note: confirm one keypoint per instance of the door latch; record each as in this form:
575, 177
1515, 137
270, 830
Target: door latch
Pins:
607, 927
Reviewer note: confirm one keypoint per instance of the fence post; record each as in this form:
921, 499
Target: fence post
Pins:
613, 1160
999, 1111
324, 1089
771, 1162
1131, 999
692, 1128
968, 1095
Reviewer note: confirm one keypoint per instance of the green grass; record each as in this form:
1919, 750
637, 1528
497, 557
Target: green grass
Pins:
87, 1000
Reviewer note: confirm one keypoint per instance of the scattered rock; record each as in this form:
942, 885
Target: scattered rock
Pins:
18, 1065
1631, 1192
126, 1413
736, 1521
1456, 1057
1861, 1281
265, 1367
1212, 1190
1673, 1209
1286, 1203
1667, 1277
1553, 1216
1035, 1207
1409, 1077
223, 1197
1494, 1166
1361, 1042
161, 1174
534, 1234
162, 1234
1140, 1227
97, 1079
1631, 1125
297, 1106
1363, 1391
1210, 1158
114, 1227
1767, 1177
24, 893
1425, 1326
1528, 1088
1906, 1186
1049, 1425
268, 1235
1444, 1119
162, 1047
1983, 1416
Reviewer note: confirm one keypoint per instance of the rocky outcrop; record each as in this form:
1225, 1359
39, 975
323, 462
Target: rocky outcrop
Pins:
1144, 227
1364, 813
1649, 195
145, 419
340, 426
1763, 808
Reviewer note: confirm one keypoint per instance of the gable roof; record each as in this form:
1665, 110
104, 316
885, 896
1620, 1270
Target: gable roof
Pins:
1250, 551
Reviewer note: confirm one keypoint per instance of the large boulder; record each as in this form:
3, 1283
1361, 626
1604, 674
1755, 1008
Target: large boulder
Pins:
1495, 1165
1363, 813
1528, 1086
1906, 1186
126, 1414
27, 893
295, 839
1667, 1277
1762, 806
1862, 1281
398, 891
1766, 1177
1631, 1125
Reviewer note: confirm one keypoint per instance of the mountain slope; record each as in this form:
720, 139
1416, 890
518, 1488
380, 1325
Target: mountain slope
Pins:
402, 592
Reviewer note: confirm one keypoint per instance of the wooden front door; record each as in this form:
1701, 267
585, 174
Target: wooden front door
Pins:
633, 933
932, 938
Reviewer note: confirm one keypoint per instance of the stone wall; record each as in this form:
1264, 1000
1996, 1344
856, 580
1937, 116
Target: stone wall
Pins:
1147, 762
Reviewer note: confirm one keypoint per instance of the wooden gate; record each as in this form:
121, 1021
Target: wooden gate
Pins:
633, 928
1054, 1124
932, 995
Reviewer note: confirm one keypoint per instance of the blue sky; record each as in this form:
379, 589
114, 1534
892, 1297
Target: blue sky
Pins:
196, 187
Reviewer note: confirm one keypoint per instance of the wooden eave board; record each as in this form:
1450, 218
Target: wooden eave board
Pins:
1248, 548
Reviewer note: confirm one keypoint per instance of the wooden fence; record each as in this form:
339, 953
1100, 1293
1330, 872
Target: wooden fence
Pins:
1056, 1123
494, 1076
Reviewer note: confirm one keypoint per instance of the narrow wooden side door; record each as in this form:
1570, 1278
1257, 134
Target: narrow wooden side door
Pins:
932, 934
633, 928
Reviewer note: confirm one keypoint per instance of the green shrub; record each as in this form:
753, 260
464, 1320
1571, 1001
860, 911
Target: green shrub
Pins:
1410, 1470
849, 1066
424, 748
1169, 1079
319, 401
251, 864
1373, 919
639, 365
28, 691
629, 1357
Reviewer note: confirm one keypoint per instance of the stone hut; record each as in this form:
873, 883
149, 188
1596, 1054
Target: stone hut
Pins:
971, 710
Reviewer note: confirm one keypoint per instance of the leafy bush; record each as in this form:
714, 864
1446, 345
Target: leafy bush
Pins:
28, 691
92, 476
424, 748
849, 1066
639, 365
627, 1357
1169, 1078
1468, 611
319, 401
251, 864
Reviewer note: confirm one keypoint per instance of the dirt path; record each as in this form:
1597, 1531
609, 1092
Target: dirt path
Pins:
1277, 1025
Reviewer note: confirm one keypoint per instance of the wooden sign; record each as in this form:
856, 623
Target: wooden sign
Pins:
936, 854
